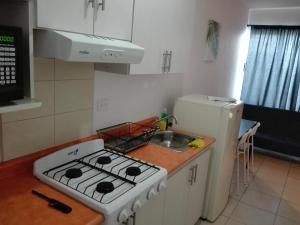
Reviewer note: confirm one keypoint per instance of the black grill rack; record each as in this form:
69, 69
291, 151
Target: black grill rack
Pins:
113, 172
126, 137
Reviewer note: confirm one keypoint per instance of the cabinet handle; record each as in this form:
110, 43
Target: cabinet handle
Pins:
191, 180
170, 61
102, 4
134, 216
92, 2
165, 55
196, 172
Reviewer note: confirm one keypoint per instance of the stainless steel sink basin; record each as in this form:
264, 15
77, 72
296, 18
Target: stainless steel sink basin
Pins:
172, 140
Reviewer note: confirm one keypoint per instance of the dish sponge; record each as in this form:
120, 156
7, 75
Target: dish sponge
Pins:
198, 143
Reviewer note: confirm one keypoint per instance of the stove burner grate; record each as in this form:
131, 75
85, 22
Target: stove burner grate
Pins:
116, 183
73, 173
103, 160
133, 171
105, 187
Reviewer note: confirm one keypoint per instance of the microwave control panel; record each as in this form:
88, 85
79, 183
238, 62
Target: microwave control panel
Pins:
11, 64
8, 60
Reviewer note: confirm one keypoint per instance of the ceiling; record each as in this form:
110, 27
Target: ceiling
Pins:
272, 3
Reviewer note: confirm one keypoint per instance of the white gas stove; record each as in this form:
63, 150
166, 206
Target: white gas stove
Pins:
109, 182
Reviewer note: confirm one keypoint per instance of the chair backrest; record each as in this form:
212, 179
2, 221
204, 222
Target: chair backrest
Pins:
254, 129
245, 137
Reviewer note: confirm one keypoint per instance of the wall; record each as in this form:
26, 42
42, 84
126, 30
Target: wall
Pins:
66, 92
217, 77
275, 16
66, 89
120, 98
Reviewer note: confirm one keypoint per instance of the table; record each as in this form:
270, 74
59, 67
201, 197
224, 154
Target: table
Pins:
245, 126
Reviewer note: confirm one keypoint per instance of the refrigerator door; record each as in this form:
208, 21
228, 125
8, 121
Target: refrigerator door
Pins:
222, 162
220, 120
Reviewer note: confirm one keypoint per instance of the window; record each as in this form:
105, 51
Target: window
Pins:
272, 72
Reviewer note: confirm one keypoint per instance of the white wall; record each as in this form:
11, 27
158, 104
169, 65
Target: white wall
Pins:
275, 16
121, 98
216, 78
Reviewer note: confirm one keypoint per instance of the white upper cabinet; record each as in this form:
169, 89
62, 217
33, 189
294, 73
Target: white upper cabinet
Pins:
164, 28
180, 33
150, 31
113, 18
67, 15
109, 18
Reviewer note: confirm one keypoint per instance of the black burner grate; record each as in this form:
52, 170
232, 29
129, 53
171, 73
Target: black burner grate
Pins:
100, 180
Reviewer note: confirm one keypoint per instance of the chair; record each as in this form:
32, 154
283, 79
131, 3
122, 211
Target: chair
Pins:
251, 143
243, 148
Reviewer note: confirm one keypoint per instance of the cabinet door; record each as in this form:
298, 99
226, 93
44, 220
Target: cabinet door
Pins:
177, 197
67, 15
197, 190
114, 19
180, 33
150, 29
152, 212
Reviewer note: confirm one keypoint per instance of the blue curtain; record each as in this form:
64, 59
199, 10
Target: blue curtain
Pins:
272, 72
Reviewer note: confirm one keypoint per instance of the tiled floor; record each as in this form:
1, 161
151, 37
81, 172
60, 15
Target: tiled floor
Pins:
272, 197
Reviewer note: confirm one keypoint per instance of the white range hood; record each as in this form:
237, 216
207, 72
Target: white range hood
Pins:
74, 47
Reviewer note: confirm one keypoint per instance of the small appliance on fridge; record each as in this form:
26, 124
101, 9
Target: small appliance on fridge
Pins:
219, 118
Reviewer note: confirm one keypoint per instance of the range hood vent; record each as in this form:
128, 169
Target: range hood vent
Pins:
73, 47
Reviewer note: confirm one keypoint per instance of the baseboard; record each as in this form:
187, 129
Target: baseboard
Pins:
278, 155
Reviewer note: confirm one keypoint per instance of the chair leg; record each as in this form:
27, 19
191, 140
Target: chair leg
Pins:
248, 165
238, 171
252, 154
245, 168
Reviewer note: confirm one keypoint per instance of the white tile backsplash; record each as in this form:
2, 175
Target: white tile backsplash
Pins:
44, 92
66, 92
73, 70
43, 69
72, 95
27, 136
73, 125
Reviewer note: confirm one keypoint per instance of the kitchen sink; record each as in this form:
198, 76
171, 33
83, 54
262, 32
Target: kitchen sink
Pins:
172, 140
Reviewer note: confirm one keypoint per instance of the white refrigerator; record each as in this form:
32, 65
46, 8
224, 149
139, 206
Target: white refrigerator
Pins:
219, 118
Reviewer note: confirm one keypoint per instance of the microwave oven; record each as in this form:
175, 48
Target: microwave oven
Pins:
11, 64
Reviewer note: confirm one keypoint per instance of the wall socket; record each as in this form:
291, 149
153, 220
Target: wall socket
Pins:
102, 104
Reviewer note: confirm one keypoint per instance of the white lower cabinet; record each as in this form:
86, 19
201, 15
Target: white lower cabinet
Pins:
182, 202
197, 189
185, 192
152, 212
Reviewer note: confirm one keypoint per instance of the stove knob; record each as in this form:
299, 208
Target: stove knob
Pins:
162, 186
136, 205
123, 216
151, 194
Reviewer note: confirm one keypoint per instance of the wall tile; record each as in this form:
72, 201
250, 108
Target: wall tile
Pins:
72, 95
27, 136
44, 91
73, 70
43, 69
71, 126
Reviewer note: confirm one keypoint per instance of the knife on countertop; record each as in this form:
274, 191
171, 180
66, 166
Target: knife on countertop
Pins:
53, 203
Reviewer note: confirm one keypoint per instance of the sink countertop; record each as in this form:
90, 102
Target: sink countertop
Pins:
18, 205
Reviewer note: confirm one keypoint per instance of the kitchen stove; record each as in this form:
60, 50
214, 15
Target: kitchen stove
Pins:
109, 182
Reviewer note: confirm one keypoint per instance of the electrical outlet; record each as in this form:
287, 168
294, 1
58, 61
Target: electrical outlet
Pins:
102, 104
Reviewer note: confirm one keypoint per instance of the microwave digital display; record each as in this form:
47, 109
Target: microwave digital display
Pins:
11, 74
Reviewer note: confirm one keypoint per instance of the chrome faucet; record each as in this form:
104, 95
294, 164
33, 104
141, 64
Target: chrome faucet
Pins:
171, 116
